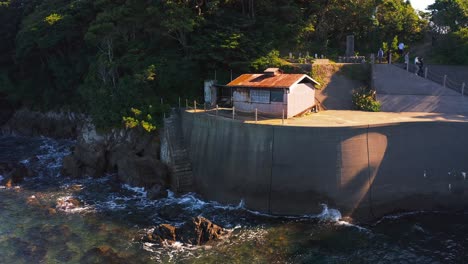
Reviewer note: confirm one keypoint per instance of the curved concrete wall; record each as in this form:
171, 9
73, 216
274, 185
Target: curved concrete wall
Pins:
365, 172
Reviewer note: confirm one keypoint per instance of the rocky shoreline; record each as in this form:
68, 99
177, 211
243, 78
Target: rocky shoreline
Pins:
133, 155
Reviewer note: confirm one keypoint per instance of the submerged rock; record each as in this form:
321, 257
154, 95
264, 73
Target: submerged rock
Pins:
102, 254
68, 203
197, 231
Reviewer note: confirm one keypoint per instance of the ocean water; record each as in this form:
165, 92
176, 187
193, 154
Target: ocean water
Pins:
109, 224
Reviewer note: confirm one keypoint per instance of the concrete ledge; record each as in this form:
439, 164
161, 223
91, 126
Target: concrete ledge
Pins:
364, 170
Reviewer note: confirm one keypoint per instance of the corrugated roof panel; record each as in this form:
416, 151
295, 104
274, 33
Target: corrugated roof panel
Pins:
268, 81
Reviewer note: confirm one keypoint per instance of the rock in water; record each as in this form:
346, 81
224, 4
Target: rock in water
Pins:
102, 254
198, 231
14, 172
68, 203
161, 233
156, 192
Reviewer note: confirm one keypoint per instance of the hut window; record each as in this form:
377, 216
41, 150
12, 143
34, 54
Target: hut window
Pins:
277, 95
260, 96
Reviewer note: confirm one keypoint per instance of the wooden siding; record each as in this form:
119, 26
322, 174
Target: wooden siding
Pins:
242, 103
300, 98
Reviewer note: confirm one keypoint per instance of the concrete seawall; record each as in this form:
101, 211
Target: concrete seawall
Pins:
364, 171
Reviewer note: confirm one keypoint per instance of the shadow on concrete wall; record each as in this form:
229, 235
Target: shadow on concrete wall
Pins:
364, 171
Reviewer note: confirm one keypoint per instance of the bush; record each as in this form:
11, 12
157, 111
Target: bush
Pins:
364, 99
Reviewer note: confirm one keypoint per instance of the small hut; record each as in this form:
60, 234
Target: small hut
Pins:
274, 93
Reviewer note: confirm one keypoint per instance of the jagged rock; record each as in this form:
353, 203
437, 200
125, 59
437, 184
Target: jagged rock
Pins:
102, 254
71, 167
133, 155
198, 231
6, 109
68, 203
156, 192
14, 173
52, 124
161, 233
142, 171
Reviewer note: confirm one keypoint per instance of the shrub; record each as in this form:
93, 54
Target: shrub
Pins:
364, 99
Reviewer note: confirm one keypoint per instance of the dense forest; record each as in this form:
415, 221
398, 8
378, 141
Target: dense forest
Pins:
106, 57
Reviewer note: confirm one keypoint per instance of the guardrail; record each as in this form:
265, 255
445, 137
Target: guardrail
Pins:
442, 79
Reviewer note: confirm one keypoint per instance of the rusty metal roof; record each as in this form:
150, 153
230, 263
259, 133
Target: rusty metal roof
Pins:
268, 81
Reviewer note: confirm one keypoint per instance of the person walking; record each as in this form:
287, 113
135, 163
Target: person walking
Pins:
407, 61
401, 48
416, 63
421, 67
380, 55
389, 56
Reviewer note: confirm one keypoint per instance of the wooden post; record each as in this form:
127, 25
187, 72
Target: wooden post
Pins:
425, 73
390, 58
216, 110
256, 115
463, 89
233, 112
195, 105
282, 118
445, 80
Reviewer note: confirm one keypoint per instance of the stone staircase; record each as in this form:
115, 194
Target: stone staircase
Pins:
178, 156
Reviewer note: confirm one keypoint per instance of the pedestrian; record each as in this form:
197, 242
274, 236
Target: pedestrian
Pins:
416, 63
406, 60
401, 47
380, 55
421, 67
389, 56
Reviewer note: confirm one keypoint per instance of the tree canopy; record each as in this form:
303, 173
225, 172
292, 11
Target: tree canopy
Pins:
106, 57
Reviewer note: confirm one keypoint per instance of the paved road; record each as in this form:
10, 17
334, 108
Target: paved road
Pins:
400, 91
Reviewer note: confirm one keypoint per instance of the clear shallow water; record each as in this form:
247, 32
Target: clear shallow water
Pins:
109, 225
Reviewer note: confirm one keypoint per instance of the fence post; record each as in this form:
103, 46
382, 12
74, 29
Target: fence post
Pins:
425, 73
179, 102
445, 80
195, 105
390, 58
282, 118
233, 112
216, 110
256, 115
463, 89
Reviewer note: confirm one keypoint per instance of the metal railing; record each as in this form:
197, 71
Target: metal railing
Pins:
235, 114
437, 77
